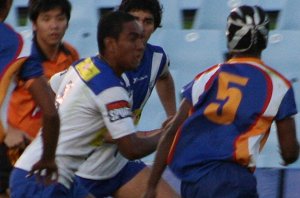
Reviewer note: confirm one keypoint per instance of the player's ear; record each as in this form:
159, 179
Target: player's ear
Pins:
110, 44
34, 26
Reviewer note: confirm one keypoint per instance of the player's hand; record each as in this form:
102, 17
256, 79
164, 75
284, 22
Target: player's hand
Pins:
45, 171
167, 123
108, 139
16, 138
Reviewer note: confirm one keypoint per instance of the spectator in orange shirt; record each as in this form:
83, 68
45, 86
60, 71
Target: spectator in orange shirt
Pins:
12, 61
50, 20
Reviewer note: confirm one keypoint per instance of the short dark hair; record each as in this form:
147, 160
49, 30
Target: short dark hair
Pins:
111, 25
153, 6
2, 4
38, 6
5, 6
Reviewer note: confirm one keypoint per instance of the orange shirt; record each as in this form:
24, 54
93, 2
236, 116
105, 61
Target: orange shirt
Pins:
23, 113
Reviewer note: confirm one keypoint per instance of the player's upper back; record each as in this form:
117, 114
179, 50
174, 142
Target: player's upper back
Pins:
242, 90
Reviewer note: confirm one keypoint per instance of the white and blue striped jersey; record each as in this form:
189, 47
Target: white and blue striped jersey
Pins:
140, 83
91, 100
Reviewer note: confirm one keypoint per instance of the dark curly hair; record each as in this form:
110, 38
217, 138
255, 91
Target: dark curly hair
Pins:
153, 6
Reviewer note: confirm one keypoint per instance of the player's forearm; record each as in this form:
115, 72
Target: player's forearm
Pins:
133, 147
147, 134
50, 133
166, 91
146, 146
286, 130
41, 94
160, 161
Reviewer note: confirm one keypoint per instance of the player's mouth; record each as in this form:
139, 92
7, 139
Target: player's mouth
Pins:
54, 36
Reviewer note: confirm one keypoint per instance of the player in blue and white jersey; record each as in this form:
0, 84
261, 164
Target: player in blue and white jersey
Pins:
226, 115
91, 99
114, 175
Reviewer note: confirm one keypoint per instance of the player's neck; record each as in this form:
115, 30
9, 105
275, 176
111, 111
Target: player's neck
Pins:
111, 64
252, 55
51, 51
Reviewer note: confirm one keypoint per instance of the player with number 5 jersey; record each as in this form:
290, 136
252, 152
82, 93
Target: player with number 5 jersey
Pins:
225, 117
234, 105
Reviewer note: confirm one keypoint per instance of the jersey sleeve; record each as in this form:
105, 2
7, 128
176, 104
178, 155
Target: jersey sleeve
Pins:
193, 90
56, 80
166, 66
186, 91
116, 111
32, 68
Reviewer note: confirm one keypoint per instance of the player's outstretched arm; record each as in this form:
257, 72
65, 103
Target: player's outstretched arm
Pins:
166, 91
134, 146
160, 162
41, 94
289, 145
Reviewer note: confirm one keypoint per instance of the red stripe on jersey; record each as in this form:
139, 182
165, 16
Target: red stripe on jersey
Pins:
117, 105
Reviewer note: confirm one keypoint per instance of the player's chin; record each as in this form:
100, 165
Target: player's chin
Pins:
136, 62
133, 65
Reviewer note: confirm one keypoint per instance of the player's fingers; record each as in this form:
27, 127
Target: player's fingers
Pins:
37, 174
32, 172
51, 177
55, 176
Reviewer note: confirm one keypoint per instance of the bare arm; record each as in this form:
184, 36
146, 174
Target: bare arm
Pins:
43, 97
166, 92
289, 145
160, 162
134, 146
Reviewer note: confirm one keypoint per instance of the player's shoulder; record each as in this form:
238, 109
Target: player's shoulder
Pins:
9, 37
96, 74
70, 50
154, 48
7, 30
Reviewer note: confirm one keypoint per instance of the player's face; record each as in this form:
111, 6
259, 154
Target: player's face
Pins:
50, 27
146, 19
130, 46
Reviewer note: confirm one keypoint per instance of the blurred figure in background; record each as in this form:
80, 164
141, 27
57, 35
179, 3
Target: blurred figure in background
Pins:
225, 118
49, 55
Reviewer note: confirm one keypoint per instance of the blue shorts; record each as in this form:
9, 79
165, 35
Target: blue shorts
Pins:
229, 180
104, 188
22, 187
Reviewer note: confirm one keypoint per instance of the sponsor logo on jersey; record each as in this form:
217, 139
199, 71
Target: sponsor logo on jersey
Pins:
138, 79
86, 69
118, 110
